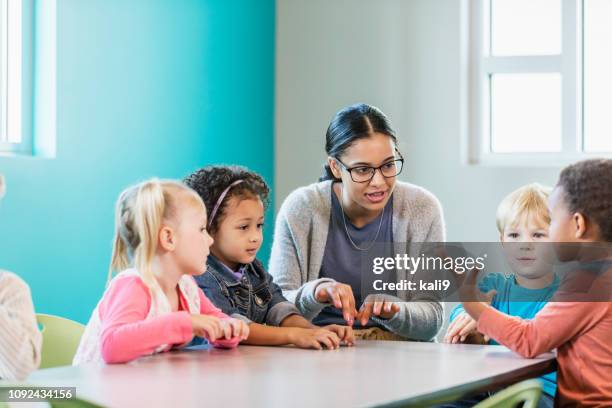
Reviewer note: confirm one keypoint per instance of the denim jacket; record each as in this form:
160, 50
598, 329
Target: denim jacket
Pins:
253, 298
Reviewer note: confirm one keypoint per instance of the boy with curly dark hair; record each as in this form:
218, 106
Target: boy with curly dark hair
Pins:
235, 280
578, 324
587, 188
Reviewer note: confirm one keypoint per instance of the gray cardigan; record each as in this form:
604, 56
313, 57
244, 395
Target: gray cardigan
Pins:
300, 236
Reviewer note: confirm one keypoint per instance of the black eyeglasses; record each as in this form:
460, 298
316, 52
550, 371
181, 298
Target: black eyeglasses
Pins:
364, 174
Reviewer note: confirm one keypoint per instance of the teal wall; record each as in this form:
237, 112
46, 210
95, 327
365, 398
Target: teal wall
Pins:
144, 88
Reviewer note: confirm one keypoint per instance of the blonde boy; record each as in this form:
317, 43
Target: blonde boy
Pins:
523, 221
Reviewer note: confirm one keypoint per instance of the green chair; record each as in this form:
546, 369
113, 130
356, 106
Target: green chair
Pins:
61, 339
526, 394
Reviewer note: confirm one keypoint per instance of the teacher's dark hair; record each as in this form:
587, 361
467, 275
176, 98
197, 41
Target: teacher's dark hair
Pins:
351, 124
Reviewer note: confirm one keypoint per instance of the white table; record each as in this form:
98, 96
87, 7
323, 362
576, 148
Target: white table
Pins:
372, 373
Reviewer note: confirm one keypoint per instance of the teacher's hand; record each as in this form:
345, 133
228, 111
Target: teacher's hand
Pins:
341, 296
377, 305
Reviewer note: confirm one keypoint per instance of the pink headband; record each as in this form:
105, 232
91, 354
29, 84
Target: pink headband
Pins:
220, 200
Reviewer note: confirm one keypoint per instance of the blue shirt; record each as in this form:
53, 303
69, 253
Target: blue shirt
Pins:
527, 303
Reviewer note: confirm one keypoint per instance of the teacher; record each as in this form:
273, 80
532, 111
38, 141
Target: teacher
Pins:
322, 230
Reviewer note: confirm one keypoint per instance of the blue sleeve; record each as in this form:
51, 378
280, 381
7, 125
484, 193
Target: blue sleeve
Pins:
456, 312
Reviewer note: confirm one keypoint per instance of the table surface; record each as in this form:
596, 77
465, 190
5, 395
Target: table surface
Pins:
372, 373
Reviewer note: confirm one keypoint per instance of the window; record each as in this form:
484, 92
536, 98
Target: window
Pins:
597, 76
540, 74
15, 135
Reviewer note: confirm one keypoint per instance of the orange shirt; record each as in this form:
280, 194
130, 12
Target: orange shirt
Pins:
582, 334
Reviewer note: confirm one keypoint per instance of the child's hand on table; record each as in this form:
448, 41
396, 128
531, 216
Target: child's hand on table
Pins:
314, 338
208, 327
345, 333
463, 328
233, 328
212, 328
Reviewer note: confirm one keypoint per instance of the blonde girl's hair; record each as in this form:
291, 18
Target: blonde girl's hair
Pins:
527, 202
140, 213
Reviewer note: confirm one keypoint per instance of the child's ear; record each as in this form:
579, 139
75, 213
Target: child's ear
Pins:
167, 238
333, 166
580, 225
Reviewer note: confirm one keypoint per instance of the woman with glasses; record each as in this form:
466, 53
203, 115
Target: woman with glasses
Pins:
323, 230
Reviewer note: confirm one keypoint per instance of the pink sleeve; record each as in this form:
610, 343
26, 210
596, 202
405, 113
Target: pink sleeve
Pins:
554, 325
208, 308
127, 333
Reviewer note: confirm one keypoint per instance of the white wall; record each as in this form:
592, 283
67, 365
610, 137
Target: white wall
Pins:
405, 57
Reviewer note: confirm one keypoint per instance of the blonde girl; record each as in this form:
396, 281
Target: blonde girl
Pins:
153, 304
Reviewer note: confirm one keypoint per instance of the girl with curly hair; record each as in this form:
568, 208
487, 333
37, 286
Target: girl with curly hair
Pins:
235, 280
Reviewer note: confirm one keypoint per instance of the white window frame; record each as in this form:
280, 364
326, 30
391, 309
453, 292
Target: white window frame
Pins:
15, 102
481, 65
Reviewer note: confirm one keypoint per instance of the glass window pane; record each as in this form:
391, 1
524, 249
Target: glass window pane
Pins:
525, 27
525, 113
597, 75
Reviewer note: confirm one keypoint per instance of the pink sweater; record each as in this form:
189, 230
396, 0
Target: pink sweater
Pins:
582, 334
127, 333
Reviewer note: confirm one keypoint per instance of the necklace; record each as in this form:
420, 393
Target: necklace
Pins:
382, 216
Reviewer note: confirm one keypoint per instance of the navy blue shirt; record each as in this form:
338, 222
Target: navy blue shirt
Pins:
342, 262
